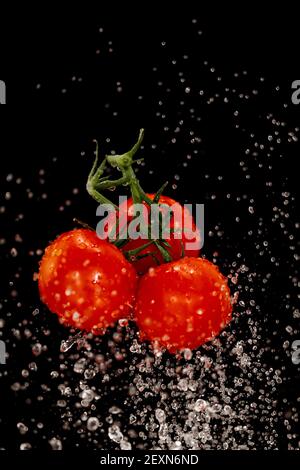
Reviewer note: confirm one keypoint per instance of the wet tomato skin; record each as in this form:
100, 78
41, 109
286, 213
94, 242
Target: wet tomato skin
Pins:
176, 245
86, 281
183, 304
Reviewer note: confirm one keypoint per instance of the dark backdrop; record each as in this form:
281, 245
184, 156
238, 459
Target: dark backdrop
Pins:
214, 95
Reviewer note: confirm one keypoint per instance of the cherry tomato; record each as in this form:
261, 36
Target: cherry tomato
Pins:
177, 247
183, 304
86, 281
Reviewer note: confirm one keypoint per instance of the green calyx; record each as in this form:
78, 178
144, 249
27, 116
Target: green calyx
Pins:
98, 182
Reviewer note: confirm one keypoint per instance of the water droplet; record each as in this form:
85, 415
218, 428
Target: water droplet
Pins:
160, 415
67, 344
22, 428
115, 434
14, 252
25, 446
55, 444
92, 424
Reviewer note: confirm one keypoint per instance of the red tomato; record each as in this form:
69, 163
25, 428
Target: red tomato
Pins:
177, 248
86, 281
183, 304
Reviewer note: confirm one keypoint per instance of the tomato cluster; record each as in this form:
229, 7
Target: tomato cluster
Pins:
178, 299
89, 283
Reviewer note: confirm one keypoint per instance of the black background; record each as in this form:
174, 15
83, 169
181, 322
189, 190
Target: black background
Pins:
43, 123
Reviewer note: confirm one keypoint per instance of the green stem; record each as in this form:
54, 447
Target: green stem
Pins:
83, 224
94, 180
139, 249
124, 164
107, 184
97, 183
98, 196
165, 254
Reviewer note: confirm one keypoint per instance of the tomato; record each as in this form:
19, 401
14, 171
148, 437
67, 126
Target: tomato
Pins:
86, 281
183, 304
177, 247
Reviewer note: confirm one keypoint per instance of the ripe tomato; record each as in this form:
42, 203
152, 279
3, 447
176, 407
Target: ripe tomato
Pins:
183, 304
86, 281
177, 247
